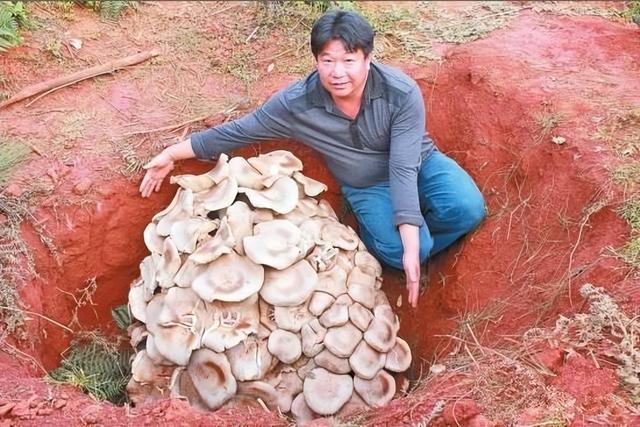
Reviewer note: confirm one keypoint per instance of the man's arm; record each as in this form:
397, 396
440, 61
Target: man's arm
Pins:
269, 121
407, 135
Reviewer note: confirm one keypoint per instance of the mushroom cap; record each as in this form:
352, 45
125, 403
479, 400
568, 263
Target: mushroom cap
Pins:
261, 390
195, 183
360, 316
301, 411
221, 170
188, 272
399, 357
342, 340
229, 278
221, 243
180, 208
378, 391
325, 210
292, 318
145, 371
148, 276
289, 287
250, 360
339, 235
368, 263
240, 220
381, 333
152, 240
331, 362
333, 282
310, 186
278, 162
175, 319
281, 197
245, 174
366, 362
137, 302
274, 244
185, 234
326, 392
354, 406
167, 264
313, 334
285, 346
218, 197
211, 375
319, 302
337, 314
304, 365
287, 384
228, 323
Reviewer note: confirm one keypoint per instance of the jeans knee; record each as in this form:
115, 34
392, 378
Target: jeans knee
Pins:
475, 211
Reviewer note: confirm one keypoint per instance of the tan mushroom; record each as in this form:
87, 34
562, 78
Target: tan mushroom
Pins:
303, 366
155, 389
148, 276
167, 264
152, 240
188, 272
342, 340
323, 257
281, 197
367, 263
186, 234
289, 287
222, 243
262, 390
145, 371
285, 346
338, 313
378, 391
181, 208
331, 362
245, 174
360, 316
340, 236
399, 357
361, 287
309, 206
326, 392
229, 278
292, 318
381, 333
275, 244
366, 362
240, 220
221, 170
354, 406
218, 197
195, 183
137, 302
325, 210
287, 383
154, 354
319, 302
301, 411
312, 334
310, 186
228, 323
381, 298
278, 162
333, 282
137, 333
210, 374
175, 321
250, 360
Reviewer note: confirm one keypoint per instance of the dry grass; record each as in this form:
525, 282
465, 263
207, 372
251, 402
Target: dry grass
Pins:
12, 154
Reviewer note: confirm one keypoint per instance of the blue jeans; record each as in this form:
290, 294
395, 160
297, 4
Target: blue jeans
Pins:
450, 201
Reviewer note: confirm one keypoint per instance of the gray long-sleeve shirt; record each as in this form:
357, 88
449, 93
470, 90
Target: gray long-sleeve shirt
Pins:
386, 142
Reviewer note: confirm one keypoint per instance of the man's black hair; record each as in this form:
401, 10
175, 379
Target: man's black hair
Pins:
349, 27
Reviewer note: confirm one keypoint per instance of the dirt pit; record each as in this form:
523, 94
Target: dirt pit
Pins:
534, 111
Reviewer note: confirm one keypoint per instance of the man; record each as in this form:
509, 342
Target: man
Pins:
368, 122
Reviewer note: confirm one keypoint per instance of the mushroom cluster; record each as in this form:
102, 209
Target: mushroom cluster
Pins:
254, 289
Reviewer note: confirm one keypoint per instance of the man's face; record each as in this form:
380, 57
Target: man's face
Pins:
343, 74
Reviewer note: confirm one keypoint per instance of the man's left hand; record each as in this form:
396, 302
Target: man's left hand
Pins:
411, 264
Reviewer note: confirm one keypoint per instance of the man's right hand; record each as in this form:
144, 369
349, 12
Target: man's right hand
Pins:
157, 169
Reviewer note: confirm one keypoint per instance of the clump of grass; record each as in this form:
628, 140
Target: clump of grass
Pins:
12, 154
110, 10
13, 15
96, 366
627, 174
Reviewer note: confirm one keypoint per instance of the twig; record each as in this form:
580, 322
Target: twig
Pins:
26, 356
38, 315
166, 128
49, 86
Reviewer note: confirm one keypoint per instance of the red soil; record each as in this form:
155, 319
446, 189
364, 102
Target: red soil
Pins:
484, 105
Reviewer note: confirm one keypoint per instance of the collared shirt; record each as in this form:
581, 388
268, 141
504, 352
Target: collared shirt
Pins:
385, 143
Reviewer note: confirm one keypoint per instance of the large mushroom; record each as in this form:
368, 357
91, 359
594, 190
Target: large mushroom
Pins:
229, 278
228, 323
325, 392
289, 287
281, 197
285, 346
378, 391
